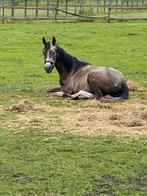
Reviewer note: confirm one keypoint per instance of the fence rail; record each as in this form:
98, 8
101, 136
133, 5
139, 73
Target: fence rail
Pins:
73, 9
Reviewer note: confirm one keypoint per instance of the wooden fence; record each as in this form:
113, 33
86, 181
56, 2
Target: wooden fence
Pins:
72, 9
111, 8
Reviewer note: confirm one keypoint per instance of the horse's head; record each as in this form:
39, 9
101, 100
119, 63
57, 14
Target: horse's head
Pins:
50, 54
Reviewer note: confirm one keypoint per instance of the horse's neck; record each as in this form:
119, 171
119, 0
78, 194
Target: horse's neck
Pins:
64, 62
67, 65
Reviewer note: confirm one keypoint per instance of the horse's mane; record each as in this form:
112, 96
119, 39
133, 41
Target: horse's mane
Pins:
68, 61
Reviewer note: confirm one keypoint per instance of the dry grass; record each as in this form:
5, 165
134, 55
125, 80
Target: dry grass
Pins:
22, 106
91, 117
104, 119
133, 86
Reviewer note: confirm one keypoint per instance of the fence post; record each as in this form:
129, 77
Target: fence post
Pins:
127, 3
75, 6
109, 11
97, 5
12, 10
83, 6
80, 12
56, 9
37, 8
90, 6
104, 5
3, 13
48, 4
116, 5
66, 8
109, 14
132, 4
25, 10
122, 4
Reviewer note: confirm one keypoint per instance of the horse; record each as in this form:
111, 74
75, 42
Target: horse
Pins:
80, 79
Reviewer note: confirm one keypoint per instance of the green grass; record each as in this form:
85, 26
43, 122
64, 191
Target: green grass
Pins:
33, 162
37, 163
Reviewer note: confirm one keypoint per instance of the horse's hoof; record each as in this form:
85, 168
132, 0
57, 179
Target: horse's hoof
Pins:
58, 94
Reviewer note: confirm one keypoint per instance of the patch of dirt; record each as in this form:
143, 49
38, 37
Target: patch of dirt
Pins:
89, 117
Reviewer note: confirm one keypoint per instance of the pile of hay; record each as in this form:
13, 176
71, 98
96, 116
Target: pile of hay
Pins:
22, 106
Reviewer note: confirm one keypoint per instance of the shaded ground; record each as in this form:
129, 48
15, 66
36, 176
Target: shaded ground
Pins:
107, 185
91, 117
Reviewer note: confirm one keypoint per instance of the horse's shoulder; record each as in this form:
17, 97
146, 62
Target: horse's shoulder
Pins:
85, 68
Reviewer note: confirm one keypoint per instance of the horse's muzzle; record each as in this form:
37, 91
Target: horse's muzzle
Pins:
48, 67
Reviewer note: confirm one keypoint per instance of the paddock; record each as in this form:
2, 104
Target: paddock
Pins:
59, 146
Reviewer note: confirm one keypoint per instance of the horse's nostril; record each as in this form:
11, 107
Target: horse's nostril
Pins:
48, 68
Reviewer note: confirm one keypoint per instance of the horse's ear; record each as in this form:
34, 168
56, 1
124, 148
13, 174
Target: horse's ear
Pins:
43, 40
54, 41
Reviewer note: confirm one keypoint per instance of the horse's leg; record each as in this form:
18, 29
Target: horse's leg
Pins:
57, 94
61, 94
53, 90
82, 95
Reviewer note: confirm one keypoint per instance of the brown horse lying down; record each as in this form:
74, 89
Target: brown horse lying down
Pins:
82, 80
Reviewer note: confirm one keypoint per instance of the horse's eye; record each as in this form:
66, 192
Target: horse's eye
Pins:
52, 53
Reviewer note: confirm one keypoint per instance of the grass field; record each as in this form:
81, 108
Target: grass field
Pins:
52, 146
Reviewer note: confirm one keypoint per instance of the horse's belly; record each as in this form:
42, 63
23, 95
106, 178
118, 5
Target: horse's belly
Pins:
73, 85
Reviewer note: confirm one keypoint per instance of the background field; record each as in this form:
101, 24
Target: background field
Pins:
50, 146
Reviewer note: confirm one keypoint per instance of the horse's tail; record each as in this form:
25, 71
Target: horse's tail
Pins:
124, 94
